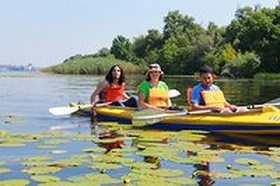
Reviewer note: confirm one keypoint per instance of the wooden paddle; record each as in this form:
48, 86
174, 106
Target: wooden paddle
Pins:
61, 111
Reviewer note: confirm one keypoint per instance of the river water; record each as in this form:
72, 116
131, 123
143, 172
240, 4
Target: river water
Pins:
25, 98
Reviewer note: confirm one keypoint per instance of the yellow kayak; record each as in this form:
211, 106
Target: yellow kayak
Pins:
265, 120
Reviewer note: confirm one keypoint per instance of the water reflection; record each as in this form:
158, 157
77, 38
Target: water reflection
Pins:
110, 138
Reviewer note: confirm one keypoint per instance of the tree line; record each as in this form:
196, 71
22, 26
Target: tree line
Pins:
248, 47
250, 44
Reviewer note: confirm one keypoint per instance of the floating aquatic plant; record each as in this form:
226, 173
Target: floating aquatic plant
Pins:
45, 178
247, 161
14, 182
41, 170
4, 170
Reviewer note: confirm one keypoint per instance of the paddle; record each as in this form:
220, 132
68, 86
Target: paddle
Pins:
151, 116
274, 102
61, 111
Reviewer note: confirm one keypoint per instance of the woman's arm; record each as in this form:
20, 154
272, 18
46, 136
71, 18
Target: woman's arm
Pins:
97, 91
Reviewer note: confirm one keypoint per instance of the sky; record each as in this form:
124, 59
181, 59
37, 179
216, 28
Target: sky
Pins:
46, 32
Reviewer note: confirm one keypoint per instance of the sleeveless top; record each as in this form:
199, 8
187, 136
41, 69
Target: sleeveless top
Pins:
115, 92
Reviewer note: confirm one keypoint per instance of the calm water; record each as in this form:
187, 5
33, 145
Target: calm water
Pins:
26, 97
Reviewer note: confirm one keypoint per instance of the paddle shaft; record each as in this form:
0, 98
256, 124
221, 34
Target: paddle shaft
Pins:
262, 105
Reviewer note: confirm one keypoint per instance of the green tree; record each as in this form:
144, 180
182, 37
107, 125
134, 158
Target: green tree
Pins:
121, 49
257, 30
146, 47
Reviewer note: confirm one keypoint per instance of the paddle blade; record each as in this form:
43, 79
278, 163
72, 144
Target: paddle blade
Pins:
172, 93
145, 122
151, 116
60, 111
146, 117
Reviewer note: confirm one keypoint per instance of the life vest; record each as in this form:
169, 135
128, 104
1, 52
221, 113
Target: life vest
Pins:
214, 98
189, 97
114, 93
158, 97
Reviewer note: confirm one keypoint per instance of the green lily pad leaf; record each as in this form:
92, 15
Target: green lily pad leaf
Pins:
2, 163
190, 146
41, 170
181, 181
4, 170
83, 137
189, 136
38, 158
207, 158
250, 172
263, 167
45, 178
102, 166
153, 182
275, 175
142, 165
66, 163
56, 141
59, 183
46, 147
14, 182
225, 175
4, 133
102, 178
247, 161
178, 159
95, 150
275, 158
124, 150
80, 158
164, 172
110, 140
11, 144
109, 158
247, 184
275, 149
276, 183
36, 161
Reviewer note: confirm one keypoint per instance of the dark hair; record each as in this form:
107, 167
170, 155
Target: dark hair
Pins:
109, 76
148, 78
206, 69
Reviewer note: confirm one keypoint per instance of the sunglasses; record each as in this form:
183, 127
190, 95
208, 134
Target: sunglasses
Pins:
155, 72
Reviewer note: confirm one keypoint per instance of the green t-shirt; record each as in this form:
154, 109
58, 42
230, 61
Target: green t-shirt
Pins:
145, 86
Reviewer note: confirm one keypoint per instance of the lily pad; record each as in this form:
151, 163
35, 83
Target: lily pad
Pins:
45, 178
2, 163
59, 183
41, 170
102, 166
95, 150
247, 161
4, 170
14, 182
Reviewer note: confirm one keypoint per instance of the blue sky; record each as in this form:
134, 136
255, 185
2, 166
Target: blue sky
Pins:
45, 32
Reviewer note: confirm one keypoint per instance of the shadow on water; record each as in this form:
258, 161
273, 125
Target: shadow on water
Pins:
244, 139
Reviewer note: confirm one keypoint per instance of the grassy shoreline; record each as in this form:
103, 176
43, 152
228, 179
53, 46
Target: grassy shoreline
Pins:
89, 65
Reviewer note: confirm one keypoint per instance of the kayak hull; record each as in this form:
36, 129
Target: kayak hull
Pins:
259, 121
